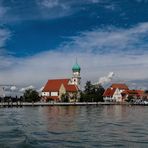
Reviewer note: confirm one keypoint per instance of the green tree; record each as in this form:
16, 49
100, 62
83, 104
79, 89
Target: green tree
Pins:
130, 98
92, 93
99, 91
88, 88
31, 95
82, 97
65, 97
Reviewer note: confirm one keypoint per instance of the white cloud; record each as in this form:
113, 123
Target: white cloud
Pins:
106, 79
112, 40
25, 88
13, 88
38, 69
87, 47
110, 7
49, 9
61, 8
64, 3
4, 36
52, 4
94, 1
46, 9
3, 11
139, 1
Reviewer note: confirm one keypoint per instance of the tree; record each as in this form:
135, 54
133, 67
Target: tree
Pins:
65, 97
88, 87
130, 98
31, 95
82, 97
99, 91
92, 93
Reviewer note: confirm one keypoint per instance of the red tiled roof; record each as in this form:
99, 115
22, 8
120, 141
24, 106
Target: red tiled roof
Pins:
71, 88
109, 92
140, 92
133, 92
120, 86
55, 84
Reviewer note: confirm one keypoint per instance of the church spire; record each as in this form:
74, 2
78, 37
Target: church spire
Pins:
76, 74
76, 67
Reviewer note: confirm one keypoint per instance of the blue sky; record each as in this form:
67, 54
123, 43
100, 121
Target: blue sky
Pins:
40, 39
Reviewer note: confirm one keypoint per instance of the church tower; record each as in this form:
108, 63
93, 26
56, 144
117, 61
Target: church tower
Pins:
76, 79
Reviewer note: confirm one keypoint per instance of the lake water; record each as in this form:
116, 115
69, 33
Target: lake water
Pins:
74, 126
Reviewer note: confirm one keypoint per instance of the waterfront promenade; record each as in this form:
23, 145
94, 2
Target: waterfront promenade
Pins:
21, 104
5, 104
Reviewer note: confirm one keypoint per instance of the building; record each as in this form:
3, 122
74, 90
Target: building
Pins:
76, 79
135, 94
114, 92
54, 89
120, 86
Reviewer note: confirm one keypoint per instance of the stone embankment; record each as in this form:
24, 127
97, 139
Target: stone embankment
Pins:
20, 104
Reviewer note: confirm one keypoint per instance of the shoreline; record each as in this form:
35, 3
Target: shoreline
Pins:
15, 104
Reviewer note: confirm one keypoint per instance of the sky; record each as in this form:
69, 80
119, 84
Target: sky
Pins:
41, 39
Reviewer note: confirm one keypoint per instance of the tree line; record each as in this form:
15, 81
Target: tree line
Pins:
91, 93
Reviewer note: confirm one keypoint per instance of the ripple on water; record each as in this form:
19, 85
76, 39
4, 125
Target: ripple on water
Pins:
93, 126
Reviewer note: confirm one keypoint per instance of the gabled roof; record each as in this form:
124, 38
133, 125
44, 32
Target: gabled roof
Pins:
140, 92
109, 92
133, 92
55, 84
120, 86
71, 88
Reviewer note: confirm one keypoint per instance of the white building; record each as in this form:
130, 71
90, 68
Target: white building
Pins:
55, 88
114, 93
76, 79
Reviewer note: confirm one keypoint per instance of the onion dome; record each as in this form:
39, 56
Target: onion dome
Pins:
76, 67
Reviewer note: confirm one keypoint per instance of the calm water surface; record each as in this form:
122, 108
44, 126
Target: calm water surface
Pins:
74, 126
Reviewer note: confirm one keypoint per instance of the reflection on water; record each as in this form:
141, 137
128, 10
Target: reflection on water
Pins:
74, 126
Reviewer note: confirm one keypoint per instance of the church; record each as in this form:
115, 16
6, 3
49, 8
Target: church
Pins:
54, 89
